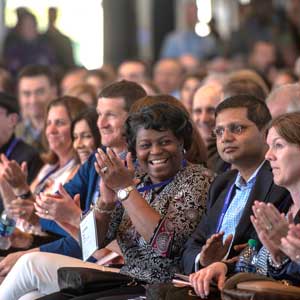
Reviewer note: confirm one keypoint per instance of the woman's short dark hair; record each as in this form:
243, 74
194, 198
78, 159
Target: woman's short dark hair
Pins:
90, 116
160, 117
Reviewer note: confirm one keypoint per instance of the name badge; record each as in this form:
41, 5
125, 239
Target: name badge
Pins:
88, 235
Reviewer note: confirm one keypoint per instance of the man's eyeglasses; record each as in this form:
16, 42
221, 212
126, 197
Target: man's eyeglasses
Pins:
233, 128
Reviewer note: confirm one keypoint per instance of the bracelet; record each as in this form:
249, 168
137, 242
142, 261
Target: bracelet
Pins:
103, 210
25, 195
277, 265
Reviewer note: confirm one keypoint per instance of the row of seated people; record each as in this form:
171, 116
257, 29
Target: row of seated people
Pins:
153, 203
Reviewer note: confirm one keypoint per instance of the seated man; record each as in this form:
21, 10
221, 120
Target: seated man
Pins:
240, 134
113, 105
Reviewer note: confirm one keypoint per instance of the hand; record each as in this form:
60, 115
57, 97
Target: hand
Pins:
59, 207
73, 230
290, 245
113, 171
270, 226
20, 239
14, 174
23, 209
108, 196
9, 261
214, 250
237, 248
202, 279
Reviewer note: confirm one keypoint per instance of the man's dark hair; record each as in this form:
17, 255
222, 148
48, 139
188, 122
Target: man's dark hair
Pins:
10, 103
257, 110
128, 90
37, 70
160, 117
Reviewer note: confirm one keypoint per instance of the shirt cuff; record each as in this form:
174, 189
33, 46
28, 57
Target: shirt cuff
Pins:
197, 262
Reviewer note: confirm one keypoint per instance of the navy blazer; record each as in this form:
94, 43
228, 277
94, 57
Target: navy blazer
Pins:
84, 183
264, 190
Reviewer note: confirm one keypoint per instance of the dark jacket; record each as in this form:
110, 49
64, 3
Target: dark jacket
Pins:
23, 152
264, 190
84, 183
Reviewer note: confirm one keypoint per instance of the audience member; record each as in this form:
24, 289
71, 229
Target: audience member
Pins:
132, 70
190, 63
150, 87
188, 87
167, 75
205, 100
27, 46
283, 140
284, 99
263, 57
36, 88
156, 136
61, 165
72, 78
6, 82
85, 134
240, 120
61, 44
197, 152
283, 77
84, 92
12, 147
247, 82
187, 41
97, 78
113, 105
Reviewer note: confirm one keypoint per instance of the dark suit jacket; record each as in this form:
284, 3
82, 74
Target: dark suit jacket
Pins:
264, 190
24, 152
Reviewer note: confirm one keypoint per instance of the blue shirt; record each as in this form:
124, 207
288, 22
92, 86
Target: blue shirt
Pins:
236, 208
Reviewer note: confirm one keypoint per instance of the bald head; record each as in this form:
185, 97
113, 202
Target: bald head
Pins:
284, 99
205, 101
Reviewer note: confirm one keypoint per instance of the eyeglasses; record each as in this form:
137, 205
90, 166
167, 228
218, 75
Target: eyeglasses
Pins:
233, 128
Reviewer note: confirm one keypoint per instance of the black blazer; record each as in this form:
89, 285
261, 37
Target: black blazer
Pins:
264, 190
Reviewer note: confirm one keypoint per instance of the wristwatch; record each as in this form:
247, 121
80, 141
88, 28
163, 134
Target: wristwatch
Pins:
123, 194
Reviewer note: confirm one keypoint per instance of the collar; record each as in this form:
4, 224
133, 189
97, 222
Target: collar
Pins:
33, 131
240, 182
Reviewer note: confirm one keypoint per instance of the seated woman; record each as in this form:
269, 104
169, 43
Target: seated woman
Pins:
151, 221
61, 165
271, 226
197, 153
85, 134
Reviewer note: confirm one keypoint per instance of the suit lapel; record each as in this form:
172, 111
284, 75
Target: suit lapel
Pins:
263, 183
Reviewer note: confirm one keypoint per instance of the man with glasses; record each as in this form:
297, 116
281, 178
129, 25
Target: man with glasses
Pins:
240, 131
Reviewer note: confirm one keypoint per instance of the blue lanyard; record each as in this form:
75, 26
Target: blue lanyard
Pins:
11, 147
153, 186
160, 184
225, 207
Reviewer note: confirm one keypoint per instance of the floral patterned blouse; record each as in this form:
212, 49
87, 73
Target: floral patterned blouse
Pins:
181, 204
